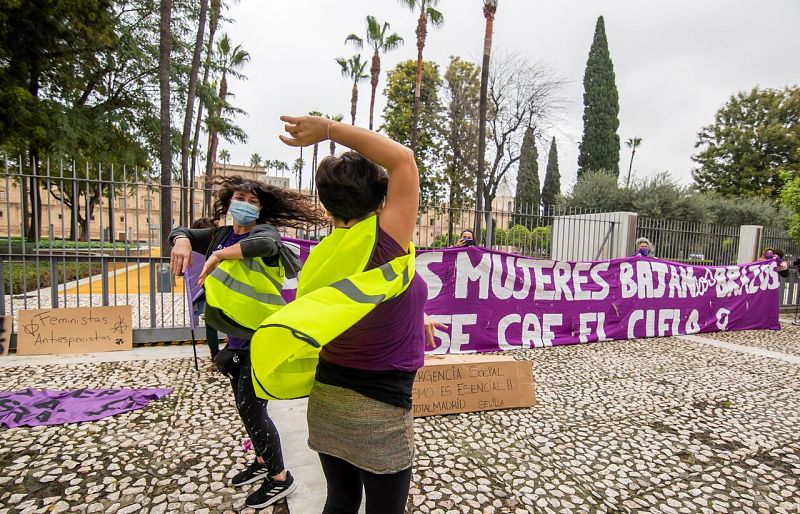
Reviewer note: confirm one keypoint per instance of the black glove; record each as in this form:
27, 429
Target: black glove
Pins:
228, 362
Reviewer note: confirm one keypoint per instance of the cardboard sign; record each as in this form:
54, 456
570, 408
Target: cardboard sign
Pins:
5, 334
451, 384
74, 330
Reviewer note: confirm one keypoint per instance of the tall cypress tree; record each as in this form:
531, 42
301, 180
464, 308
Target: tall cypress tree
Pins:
599, 149
527, 197
552, 179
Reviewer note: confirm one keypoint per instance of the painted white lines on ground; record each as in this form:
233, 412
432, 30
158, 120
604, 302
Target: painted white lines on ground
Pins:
754, 350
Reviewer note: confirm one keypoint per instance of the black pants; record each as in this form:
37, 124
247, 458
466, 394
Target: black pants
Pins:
386, 494
253, 411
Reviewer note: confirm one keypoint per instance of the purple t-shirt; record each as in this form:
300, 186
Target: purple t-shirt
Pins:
234, 343
392, 336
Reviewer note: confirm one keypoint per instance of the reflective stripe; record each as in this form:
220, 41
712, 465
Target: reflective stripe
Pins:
246, 289
350, 290
388, 272
253, 265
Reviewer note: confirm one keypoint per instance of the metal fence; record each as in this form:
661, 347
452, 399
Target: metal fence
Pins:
695, 243
100, 232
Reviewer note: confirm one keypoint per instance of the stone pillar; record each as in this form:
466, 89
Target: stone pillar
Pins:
589, 237
750, 240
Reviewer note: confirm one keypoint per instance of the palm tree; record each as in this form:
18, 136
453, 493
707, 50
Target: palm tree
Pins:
230, 60
489, 10
353, 69
297, 167
632, 143
379, 41
255, 160
427, 13
224, 156
314, 154
165, 146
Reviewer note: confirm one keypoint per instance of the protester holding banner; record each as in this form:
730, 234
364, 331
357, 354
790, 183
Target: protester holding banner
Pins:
644, 248
256, 208
773, 254
359, 410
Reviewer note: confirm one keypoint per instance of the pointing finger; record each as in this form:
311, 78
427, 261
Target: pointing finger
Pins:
290, 119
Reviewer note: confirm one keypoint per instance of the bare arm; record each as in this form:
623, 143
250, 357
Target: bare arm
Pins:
399, 215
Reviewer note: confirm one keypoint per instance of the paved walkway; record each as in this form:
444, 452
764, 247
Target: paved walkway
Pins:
690, 424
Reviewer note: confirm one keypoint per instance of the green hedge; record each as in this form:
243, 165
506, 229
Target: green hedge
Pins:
72, 245
19, 278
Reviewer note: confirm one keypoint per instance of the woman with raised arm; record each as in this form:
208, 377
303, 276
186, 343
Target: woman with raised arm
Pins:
362, 275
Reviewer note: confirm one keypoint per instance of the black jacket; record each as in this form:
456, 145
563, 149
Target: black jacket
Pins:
263, 241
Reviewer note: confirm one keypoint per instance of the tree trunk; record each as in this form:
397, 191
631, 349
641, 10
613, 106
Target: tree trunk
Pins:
314, 166
34, 228
165, 150
487, 50
212, 30
630, 167
333, 147
354, 102
187, 120
421, 32
213, 143
375, 72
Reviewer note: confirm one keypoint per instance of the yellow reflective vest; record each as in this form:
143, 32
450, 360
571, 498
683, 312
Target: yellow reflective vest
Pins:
334, 292
241, 294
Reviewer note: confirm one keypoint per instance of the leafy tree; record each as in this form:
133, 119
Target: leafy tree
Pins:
461, 97
297, 168
552, 178
427, 13
742, 211
599, 148
790, 197
224, 156
398, 120
528, 197
754, 138
380, 41
337, 118
353, 69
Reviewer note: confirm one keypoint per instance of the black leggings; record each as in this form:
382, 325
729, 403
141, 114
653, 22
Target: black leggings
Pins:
386, 494
253, 411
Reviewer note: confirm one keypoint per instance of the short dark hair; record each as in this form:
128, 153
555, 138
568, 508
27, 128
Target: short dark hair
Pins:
350, 186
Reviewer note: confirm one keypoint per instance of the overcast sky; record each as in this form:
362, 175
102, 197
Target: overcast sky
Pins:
676, 63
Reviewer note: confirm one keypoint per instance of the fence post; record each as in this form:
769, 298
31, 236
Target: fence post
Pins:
750, 237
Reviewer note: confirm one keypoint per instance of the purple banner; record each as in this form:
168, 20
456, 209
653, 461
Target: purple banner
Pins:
494, 301
33, 407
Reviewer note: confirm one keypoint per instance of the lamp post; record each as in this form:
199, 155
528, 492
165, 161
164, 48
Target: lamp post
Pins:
489, 9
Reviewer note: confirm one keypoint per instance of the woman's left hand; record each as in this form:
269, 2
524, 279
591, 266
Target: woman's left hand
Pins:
429, 326
305, 130
211, 263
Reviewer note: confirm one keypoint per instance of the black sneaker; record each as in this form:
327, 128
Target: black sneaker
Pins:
271, 491
254, 472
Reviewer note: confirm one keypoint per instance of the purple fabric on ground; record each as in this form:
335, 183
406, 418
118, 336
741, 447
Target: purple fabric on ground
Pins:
33, 407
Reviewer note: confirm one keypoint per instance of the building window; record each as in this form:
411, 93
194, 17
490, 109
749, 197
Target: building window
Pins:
2, 195
122, 218
148, 204
1, 214
431, 222
59, 217
92, 218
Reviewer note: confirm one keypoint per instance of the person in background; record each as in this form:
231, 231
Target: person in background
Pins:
359, 408
465, 239
212, 336
644, 248
256, 208
773, 254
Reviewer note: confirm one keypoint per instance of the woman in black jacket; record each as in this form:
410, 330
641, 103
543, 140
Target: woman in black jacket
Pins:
256, 208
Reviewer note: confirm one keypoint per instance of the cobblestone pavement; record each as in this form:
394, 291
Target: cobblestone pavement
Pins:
656, 425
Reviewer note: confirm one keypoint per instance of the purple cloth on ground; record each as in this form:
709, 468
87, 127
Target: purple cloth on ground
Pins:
34, 407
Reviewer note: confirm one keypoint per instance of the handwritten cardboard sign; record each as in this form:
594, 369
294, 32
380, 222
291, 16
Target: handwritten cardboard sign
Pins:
450, 384
74, 330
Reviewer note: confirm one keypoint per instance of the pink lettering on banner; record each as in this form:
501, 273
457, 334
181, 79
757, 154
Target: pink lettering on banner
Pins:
493, 301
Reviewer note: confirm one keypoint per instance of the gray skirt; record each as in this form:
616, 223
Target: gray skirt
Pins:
367, 433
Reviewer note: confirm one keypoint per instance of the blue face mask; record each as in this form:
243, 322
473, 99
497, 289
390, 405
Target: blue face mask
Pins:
644, 251
243, 213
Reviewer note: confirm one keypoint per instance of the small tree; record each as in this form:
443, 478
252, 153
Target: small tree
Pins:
790, 197
552, 178
528, 196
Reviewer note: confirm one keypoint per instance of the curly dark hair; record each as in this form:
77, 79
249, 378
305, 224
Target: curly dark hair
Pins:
280, 207
350, 186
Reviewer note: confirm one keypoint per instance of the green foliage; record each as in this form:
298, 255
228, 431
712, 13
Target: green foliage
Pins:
528, 197
552, 178
790, 197
462, 95
398, 118
660, 197
599, 148
754, 138
22, 278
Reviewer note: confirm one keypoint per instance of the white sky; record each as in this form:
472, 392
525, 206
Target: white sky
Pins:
676, 63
